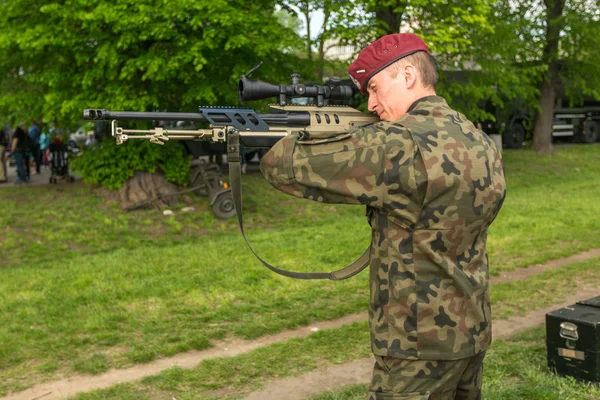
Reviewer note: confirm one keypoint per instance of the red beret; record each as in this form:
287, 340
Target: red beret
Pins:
382, 53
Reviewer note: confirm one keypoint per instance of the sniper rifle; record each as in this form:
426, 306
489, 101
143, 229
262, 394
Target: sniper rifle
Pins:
242, 125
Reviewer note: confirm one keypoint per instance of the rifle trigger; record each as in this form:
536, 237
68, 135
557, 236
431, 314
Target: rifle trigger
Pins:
304, 135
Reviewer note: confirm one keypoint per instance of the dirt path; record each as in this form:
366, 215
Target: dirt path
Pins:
359, 371
355, 372
524, 273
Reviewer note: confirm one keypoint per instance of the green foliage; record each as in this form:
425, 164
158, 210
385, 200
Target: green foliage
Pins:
59, 57
450, 29
514, 59
111, 165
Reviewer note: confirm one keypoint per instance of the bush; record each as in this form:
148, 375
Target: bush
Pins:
111, 165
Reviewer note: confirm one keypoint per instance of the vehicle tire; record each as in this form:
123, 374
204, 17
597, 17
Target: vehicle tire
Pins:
590, 133
514, 136
223, 207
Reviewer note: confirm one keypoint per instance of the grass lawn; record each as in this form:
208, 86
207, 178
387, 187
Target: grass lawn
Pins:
551, 210
232, 377
85, 287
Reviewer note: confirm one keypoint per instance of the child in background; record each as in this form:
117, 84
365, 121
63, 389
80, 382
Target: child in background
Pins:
44, 145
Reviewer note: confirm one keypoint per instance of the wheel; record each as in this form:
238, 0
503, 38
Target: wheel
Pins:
514, 136
223, 206
198, 180
205, 177
590, 133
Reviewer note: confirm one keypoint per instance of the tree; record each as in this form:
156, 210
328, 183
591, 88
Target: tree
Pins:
59, 57
448, 27
62, 56
555, 44
498, 64
542, 134
306, 9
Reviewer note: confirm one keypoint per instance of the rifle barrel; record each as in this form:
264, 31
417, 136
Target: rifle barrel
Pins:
294, 119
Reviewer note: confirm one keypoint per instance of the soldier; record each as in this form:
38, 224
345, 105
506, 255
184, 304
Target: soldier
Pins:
432, 184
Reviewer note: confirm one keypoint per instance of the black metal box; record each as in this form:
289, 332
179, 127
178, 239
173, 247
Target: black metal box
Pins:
573, 340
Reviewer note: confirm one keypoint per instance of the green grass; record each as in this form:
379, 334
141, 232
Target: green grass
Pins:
544, 289
514, 369
85, 287
234, 377
242, 374
551, 209
69, 221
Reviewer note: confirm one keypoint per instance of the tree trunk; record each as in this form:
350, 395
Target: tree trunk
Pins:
307, 11
144, 186
542, 133
322, 39
389, 17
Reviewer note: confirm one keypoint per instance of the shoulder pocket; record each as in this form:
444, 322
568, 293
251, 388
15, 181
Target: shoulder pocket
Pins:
306, 139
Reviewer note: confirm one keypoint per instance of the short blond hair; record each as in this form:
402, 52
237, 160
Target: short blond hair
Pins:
423, 62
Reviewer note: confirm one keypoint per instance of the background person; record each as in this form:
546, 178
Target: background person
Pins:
432, 183
34, 132
91, 140
4, 143
44, 148
21, 145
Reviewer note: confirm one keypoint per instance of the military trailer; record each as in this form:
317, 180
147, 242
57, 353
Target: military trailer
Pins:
580, 123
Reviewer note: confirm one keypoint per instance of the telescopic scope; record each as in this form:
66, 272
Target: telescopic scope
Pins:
251, 89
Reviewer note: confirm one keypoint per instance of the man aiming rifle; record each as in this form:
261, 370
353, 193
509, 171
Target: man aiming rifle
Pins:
432, 184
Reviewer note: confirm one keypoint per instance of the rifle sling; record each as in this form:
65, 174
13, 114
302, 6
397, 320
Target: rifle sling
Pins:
233, 159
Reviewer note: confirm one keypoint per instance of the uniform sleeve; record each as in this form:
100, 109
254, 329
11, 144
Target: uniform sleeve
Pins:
345, 168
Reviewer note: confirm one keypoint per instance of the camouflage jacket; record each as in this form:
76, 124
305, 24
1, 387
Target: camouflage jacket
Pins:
432, 184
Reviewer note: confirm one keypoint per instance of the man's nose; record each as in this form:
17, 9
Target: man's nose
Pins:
372, 103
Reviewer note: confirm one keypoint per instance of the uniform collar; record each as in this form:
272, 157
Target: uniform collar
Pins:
421, 103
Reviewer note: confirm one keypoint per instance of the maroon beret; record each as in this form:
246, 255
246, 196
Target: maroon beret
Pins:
382, 53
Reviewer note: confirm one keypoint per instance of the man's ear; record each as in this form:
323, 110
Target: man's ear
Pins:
410, 75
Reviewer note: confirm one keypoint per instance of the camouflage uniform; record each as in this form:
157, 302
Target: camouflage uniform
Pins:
395, 378
432, 184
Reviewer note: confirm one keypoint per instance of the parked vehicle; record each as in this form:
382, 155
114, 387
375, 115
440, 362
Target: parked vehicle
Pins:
580, 123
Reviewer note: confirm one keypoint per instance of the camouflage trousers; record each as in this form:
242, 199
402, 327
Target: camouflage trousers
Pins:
395, 379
